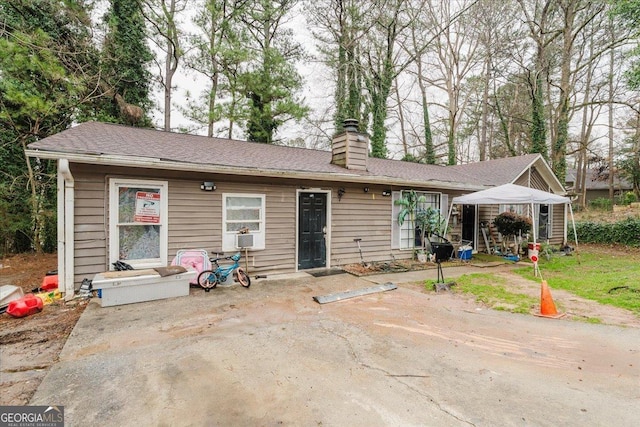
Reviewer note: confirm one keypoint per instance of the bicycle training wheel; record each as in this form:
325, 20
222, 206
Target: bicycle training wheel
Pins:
243, 277
207, 280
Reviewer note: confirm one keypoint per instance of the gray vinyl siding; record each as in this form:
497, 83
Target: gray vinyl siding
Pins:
365, 216
489, 212
280, 252
557, 214
532, 178
537, 181
195, 218
522, 180
351, 154
90, 231
195, 222
557, 224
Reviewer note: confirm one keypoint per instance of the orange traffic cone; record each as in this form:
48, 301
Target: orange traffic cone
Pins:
547, 306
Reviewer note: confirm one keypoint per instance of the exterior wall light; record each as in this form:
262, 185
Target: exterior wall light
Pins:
386, 193
208, 186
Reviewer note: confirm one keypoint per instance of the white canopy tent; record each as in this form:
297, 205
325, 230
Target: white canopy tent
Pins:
511, 194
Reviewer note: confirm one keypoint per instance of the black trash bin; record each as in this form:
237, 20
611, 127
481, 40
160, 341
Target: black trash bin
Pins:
442, 250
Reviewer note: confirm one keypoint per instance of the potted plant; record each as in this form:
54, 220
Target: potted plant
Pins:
409, 206
511, 224
430, 223
420, 255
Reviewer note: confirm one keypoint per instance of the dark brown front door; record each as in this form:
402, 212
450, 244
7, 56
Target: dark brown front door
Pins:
312, 228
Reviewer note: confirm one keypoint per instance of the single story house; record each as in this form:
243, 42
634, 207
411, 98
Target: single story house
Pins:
597, 184
140, 195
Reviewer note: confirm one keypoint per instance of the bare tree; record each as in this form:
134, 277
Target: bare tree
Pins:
163, 16
339, 27
415, 46
217, 52
498, 34
456, 48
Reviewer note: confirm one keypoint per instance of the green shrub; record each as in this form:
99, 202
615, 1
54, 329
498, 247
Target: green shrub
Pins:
625, 232
628, 198
601, 203
512, 224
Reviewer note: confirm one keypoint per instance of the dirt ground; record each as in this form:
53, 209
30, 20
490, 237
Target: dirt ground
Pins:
399, 266
619, 213
30, 345
271, 355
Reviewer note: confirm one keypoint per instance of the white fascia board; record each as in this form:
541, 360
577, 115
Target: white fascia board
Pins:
546, 172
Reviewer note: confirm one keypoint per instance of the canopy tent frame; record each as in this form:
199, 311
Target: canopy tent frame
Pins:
512, 194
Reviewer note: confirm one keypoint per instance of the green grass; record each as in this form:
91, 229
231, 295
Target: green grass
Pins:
592, 275
482, 257
490, 290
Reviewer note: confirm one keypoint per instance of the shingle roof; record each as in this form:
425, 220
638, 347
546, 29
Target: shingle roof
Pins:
96, 139
597, 181
498, 171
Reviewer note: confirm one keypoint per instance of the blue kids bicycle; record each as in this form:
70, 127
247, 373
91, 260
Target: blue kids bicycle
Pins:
209, 279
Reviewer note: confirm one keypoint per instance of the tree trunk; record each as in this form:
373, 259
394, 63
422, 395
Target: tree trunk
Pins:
485, 110
429, 152
211, 117
403, 136
610, 117
36, 211
559, 147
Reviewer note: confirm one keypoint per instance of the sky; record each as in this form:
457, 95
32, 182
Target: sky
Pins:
316, 92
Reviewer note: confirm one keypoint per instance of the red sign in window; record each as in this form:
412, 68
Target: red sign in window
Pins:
147, 207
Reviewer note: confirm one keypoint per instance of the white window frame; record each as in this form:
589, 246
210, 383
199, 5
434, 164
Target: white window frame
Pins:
524, 209
519, 209
398, 233
114, 235
259, 236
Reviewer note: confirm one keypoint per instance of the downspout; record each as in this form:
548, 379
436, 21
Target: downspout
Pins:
66, 202
564, 228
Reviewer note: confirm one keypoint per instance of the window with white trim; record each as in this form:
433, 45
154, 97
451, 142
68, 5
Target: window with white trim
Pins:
243, 212
405, 236
138, 222
516, 209
544, 217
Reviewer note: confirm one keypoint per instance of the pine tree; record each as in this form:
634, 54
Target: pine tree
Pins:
125, 59
272, 82
46, 64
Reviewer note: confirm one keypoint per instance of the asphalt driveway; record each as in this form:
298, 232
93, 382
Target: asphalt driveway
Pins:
270, 356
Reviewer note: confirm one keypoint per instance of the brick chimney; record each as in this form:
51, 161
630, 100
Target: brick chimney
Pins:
350, 148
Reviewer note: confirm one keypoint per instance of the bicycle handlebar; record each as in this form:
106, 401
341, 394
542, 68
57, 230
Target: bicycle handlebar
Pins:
235, 257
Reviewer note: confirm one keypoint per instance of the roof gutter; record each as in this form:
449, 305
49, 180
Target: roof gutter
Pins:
66, 243
156, 163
